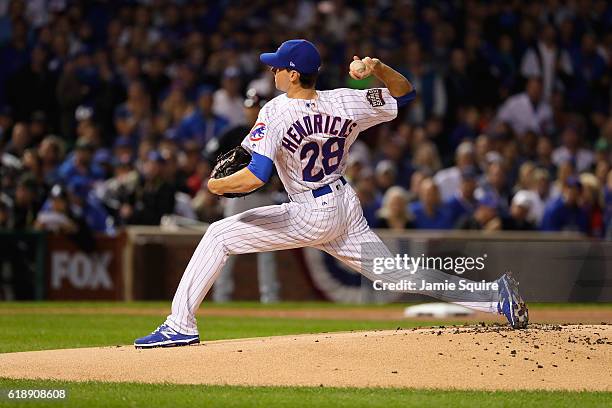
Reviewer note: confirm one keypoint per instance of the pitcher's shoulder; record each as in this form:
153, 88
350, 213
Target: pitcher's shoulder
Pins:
274, 105
339, 93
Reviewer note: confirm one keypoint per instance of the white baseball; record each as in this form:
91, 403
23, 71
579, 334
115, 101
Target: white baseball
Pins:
357, 66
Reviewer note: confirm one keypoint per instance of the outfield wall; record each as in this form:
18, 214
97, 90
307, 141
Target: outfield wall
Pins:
146, 263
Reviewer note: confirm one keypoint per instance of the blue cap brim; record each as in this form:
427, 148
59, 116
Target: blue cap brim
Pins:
271, 59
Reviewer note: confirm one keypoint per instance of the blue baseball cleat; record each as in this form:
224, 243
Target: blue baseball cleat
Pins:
164, 336
511, 303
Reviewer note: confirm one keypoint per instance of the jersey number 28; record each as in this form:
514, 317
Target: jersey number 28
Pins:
331, 154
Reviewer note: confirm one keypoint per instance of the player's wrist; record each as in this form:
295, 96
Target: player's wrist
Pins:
378, 67
214, 186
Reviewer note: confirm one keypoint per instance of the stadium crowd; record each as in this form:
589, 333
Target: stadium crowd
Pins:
111, 112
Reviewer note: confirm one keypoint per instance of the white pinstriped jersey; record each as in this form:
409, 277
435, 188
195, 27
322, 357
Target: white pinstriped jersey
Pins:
309, 140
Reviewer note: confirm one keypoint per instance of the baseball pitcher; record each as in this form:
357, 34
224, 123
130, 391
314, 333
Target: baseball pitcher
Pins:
306, 134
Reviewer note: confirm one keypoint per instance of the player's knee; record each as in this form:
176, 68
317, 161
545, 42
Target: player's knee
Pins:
215, 232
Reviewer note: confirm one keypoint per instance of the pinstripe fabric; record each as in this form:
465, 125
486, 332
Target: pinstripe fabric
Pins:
333, 222
282, 112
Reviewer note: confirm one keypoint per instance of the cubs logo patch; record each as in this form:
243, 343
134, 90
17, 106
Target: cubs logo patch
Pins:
375, 98
258, 132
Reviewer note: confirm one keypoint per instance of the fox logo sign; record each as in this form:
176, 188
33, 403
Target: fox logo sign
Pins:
80, 270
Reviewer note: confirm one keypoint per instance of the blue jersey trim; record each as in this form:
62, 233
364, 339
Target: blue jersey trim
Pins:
404, 99
261, 166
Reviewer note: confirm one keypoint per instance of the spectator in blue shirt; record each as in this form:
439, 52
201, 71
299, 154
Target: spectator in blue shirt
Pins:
428, 211
463, 201
86, 205
565, 213
201, 124
369, 197
82, 205
80, 164
495, 184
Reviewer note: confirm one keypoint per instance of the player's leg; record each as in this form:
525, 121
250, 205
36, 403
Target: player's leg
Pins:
261, 229
359, 251
359, 246
224, 285
267, 277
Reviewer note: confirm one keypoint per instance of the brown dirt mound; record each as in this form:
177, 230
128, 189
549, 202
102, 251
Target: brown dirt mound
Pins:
470, 357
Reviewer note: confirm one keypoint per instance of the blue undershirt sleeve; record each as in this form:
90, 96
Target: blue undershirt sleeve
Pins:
261, 166
404, 99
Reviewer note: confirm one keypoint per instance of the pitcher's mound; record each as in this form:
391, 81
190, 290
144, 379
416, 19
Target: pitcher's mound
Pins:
473, 357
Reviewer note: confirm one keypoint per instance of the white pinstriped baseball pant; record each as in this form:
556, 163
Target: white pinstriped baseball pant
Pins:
333, 223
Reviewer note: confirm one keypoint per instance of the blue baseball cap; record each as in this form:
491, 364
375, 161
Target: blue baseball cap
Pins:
300, 55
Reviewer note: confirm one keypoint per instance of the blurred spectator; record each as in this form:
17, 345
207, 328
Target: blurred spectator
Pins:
519, 215
428, 211
20, 140
591, 202
369, 197
537, 194
386, 174
545, 60
155, 78
91, 89
485, 216
527, 111
153, 197
460, 85
57, 217
448, 180
589, 67
565, 213
494, 185
86, 206
565, 170
51, 153
463, 202
132, 117
227, 101
6, 123
118, 189
26, 203
571, 150
80, 163
32, 79
200, 124
426, 157
394, 214
206, 206
233, 135
431, 98
467, 126
525, 176
544, 155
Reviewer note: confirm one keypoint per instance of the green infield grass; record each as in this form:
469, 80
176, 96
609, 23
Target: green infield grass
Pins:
103, 395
